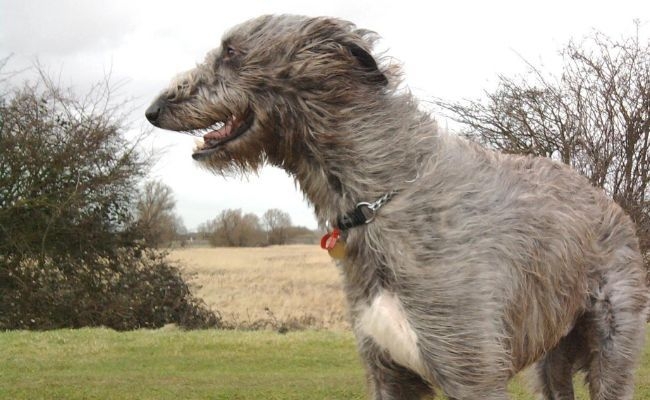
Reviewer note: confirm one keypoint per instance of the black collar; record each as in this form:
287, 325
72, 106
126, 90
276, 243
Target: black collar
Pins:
363, 212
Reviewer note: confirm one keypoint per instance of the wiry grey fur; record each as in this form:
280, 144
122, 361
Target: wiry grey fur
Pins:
497, 262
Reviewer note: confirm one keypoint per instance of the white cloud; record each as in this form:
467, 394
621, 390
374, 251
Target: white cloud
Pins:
63, 27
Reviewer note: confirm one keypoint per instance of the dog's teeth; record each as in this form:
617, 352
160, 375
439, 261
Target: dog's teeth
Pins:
216, 125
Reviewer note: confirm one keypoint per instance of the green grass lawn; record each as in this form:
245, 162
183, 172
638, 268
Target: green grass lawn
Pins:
171, 364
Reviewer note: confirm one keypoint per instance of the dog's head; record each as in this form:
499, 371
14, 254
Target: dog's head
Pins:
274, 82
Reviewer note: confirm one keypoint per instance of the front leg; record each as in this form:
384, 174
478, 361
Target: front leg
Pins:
390, 381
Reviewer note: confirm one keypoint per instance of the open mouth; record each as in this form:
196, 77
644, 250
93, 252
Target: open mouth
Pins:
221, 133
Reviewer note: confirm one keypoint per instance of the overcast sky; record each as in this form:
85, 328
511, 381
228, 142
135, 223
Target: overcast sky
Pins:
451, 50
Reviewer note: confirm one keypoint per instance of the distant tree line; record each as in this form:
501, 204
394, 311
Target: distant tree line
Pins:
594, 115
159, 225
233, 228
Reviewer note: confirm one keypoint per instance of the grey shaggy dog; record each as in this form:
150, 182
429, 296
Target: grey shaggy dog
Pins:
478, 265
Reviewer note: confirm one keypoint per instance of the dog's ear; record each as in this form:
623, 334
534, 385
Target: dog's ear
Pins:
368, 63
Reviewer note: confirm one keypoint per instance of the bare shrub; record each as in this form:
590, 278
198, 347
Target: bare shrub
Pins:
70, 255
594, 116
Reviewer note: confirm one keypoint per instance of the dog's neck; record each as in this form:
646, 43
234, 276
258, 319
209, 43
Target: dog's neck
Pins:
364, 158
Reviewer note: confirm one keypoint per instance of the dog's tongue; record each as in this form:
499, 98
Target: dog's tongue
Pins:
220, 133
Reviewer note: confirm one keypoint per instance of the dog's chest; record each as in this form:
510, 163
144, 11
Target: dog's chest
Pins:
386, 323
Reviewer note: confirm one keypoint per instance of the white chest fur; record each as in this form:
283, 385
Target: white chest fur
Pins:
386, 323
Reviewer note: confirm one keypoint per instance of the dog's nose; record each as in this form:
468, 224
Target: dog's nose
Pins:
154, 111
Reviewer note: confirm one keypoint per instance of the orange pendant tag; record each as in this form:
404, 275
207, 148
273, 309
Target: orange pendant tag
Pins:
338, 251
334, 246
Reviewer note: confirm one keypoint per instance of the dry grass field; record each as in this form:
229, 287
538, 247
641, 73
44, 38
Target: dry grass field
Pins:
296, 286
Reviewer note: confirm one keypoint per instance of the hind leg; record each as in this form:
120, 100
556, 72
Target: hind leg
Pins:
618, 342
618, 323
553, 374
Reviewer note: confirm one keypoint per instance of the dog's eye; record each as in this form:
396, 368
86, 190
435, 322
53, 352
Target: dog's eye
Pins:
230, 51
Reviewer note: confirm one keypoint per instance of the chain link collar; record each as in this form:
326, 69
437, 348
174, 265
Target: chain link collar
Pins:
363, 212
